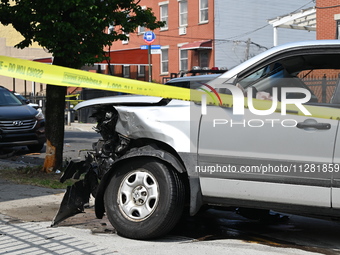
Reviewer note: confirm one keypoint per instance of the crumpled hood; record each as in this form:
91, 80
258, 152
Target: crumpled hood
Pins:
133, 100
17, 112
145, 117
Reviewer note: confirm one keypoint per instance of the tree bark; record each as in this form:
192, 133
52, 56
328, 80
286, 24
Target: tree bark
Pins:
54, 125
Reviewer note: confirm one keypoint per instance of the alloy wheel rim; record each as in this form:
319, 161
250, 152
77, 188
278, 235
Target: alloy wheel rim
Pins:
138, 195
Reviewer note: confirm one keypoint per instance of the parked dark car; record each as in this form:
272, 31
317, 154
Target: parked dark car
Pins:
20, 124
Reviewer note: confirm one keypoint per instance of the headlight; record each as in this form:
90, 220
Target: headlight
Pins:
40, 115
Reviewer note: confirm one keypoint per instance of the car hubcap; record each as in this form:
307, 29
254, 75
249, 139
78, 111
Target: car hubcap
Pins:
138, 195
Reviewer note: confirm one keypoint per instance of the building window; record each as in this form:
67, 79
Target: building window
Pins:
141, 71
183, 60
164, 14
141, 30
337, 30
127, 40
165, 61
183, 13
126, 71
337, 22
204, 58
203, 15
111, 28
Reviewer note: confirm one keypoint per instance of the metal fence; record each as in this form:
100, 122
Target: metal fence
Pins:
40, 100
323, 87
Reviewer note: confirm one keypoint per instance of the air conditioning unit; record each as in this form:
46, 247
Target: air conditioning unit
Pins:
182, 31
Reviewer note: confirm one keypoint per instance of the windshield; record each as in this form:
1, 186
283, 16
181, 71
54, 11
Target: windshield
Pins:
8, 99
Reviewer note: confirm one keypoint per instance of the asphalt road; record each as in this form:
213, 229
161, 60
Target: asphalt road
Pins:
75, 145
210, 232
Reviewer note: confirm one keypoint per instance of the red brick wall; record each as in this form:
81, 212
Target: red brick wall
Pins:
171, 37
326, 29
326, 25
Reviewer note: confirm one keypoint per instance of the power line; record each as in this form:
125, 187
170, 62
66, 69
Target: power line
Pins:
257, 29
303, 6
327, 7
249, 32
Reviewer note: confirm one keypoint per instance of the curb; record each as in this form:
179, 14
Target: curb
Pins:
84, 127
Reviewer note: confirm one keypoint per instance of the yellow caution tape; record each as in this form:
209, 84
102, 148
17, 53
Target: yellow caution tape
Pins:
63, 76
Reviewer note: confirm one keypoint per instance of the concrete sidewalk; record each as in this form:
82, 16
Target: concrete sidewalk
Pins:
26, 213
38, 238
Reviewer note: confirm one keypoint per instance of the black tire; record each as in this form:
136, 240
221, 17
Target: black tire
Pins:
35, 147
151, 214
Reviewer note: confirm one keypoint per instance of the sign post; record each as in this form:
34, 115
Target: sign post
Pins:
149, 62
149, 37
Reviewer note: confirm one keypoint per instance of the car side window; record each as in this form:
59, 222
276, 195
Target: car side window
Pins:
182, 84
313, 72
263, 74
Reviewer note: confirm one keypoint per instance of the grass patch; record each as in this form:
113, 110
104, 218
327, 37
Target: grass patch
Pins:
33, 175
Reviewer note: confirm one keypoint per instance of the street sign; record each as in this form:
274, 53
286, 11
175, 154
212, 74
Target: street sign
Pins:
153, 47
149, 37
156, 51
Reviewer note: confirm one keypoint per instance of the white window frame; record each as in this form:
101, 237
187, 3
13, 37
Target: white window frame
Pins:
181, 13
337, 20
181, 68
126, 74
201, 9
163, 61
164, 18
126, 41
111, 28
141, 30
141, 71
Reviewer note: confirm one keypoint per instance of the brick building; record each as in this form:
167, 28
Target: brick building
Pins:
328, 27
186, 40
208, 33
328, 19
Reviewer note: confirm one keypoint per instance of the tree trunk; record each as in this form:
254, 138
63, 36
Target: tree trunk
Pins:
54, 126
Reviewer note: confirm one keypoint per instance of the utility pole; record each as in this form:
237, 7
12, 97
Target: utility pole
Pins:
247, 49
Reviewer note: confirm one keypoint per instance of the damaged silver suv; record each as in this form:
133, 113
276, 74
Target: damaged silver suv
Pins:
275, 147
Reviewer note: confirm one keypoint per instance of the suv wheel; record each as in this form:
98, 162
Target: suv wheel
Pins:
144, 199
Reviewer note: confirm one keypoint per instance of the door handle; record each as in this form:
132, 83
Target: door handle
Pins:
311, 123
